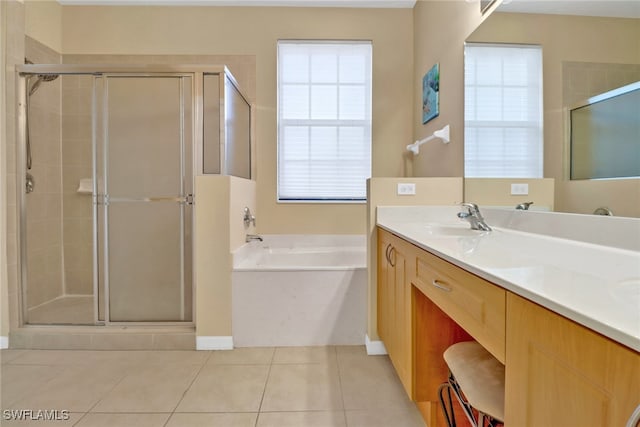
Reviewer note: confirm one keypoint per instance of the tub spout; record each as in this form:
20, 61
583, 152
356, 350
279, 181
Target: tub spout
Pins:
252, 237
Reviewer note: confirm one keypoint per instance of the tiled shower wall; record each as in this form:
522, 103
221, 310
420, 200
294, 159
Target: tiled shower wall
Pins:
44, 205
582, 80
76, 165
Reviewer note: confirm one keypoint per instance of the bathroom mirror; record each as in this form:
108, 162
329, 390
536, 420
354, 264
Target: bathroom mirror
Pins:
583, 56
485, 5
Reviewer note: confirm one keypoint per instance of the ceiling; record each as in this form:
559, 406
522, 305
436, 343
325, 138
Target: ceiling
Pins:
613, 8
291, 3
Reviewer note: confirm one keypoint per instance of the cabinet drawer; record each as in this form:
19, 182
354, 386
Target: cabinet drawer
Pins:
476, 305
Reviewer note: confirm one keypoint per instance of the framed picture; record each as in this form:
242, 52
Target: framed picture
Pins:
431, 94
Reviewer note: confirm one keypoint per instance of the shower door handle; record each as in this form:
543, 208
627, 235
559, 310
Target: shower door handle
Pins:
186, 200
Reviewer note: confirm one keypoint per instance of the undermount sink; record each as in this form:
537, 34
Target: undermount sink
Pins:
452, 230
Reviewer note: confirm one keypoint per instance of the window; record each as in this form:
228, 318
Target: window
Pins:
324, 120
503, 111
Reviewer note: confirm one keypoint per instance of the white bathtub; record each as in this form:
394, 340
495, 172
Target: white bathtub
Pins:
300, 290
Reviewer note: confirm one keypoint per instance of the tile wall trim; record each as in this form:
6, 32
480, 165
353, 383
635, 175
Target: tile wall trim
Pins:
214, 343
374, 347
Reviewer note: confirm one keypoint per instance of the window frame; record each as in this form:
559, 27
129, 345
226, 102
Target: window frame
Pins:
504, 124
366, 124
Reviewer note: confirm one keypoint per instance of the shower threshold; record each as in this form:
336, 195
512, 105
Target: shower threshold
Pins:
109, 337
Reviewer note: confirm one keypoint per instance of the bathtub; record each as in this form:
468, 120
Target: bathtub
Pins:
300, 290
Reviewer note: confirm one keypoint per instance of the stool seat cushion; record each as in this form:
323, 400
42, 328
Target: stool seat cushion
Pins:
480, 376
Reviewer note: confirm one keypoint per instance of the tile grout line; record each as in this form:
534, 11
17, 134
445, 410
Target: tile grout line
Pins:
38, 387
88, 411
264, 390
184, 393
344, 407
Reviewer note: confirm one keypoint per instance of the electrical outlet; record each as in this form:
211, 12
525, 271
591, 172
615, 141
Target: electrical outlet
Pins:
519, 189
406, 189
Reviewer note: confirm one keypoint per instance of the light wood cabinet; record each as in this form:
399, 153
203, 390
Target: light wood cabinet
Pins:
394, 303
476, 305
559, 373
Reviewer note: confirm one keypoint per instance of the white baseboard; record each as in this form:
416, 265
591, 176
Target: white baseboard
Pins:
374, 347
4, 342
214, 343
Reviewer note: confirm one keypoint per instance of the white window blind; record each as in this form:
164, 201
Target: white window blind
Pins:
503, 111
324, 120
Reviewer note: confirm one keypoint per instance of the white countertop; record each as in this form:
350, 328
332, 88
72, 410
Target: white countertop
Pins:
595, 285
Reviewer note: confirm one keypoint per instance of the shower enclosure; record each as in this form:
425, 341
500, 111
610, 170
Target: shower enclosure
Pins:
109, 156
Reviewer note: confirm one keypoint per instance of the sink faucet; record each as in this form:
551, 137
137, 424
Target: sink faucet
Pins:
252, 237
474, 217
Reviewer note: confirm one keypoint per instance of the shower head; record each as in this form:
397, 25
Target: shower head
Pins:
42, 78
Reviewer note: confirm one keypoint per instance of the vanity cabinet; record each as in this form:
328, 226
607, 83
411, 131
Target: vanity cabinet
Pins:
560, 373
394, 303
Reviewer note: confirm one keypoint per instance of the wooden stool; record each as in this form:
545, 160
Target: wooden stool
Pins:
477, 380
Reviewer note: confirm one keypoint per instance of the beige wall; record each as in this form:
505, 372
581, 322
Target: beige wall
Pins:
440, 29
574, 39
383, 192
255, 31
497, 192
219, 229
43, 22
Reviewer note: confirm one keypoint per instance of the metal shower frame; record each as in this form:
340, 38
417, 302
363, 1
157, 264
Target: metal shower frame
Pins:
197, 73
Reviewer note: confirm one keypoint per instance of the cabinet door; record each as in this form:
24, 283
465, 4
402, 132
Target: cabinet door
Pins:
394, 303
401, 356
559, 373
385, 298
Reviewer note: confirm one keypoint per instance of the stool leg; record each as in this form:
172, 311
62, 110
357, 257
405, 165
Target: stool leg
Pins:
449, 415
466, 407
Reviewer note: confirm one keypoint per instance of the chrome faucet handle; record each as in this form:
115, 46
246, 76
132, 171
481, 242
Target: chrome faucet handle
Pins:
463, 215
473, 210
248, 218
474, 217
472, 207
29, 183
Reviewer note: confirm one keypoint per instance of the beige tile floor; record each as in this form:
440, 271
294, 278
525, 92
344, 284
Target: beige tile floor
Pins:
257, 387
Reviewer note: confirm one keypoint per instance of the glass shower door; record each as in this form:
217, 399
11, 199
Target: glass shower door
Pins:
147, 186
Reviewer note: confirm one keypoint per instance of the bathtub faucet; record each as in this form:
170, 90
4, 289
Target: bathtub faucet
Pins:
524, 206
252, 237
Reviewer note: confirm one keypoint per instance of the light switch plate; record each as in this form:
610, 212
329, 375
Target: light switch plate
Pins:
406, 189
519, 189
